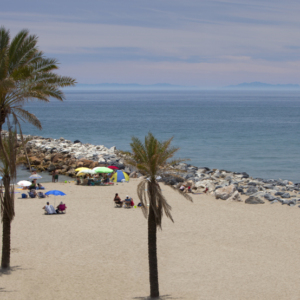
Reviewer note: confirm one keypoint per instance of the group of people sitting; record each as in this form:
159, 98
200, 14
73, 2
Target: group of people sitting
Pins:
93, 180
50, 210
127, 202
32, 190
185, 189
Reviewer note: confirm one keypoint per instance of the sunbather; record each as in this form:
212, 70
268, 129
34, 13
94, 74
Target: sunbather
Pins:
49, 209
61, 207
32, 193
117, 200
40, 187
42, 195
127, 201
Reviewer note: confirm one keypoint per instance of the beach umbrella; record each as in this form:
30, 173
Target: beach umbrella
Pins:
24, 183
119, 176
55, 193
113, 167
102, 170
81, 168
83, 172
35, 176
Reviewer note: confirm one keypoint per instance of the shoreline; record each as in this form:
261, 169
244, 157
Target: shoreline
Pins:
47, 154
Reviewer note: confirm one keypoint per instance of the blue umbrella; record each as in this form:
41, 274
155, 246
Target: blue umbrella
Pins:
55, 193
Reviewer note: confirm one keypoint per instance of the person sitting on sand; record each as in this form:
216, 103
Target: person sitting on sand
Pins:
32, 193
49, 209
206, 190
78, 181
117, 200
40, 187
60, 207
33, 185
182, 188
127, 201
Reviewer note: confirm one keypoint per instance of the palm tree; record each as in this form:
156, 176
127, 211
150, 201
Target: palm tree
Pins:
151, 159
8, 172
25, 75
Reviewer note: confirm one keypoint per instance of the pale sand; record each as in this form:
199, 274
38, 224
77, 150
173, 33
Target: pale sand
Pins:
214, 250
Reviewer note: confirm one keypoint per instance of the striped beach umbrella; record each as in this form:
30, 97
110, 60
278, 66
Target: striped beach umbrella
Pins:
120, 176
35, 176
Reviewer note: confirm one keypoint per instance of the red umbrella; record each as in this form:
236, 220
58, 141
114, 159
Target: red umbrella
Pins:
113, 167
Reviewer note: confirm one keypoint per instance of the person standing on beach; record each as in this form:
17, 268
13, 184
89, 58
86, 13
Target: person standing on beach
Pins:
53, 176
56, 176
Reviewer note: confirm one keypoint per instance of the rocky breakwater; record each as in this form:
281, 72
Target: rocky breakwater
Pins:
47, 154
226, 185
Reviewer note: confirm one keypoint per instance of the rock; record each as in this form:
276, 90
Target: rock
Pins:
51, 167
279, 194
235, 197
206, 184
254, 200
35, 161
251, 190
225, 192
269, 197
286, 195
274, 201
77, 141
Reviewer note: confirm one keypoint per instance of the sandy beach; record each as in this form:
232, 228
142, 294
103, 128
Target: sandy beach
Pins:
214, 250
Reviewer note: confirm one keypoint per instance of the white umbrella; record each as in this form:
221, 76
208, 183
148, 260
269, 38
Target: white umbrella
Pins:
24, 183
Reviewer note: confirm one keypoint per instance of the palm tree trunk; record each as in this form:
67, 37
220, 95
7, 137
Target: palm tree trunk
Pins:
152, 253
5, 261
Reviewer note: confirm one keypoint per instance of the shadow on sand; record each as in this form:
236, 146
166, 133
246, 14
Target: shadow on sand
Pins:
163, 297
10, 270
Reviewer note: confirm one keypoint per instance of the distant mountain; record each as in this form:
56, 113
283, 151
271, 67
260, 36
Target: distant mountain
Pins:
262, 86
129, 86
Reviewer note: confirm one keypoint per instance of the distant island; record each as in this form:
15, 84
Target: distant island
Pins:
128, 86
263, 86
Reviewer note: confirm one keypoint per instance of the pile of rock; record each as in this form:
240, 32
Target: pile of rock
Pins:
47, 154
228, 185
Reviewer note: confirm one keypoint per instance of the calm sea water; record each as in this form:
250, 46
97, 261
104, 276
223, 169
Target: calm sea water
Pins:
256, 132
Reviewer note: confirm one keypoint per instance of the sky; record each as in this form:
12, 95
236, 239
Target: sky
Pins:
192, 43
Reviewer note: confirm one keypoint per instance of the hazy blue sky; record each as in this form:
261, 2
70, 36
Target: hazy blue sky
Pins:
204, 43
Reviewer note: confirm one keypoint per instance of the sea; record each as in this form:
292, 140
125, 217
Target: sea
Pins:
257, 132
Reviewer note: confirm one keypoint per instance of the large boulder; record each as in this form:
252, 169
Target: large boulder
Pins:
254, 200
251, 190
206, 184
235, 197
51, 167
57, 157
35, 161
225, 192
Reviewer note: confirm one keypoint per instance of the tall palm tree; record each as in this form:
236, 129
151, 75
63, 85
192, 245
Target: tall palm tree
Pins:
8, 173
152, 159
25, 75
